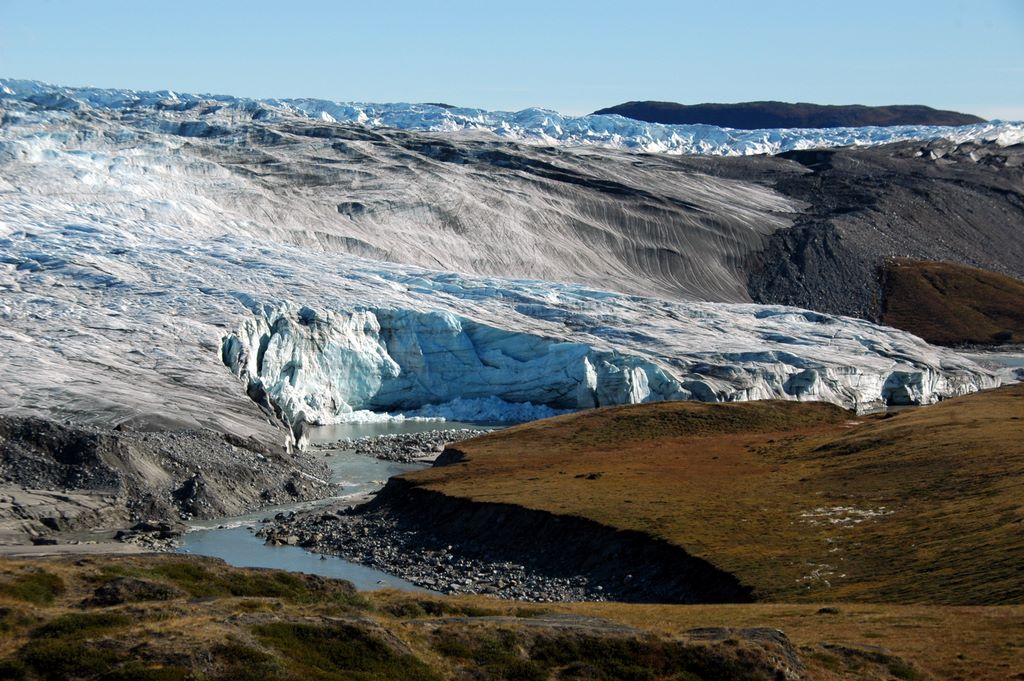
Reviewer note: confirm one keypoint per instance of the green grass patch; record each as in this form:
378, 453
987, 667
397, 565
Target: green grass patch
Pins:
340, 651
79, 625
56, 659
12, 670
201, 581
39, 587
139, 672
240, 662
436, 608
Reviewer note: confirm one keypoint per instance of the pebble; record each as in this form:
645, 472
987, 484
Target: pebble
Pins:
404, 447
375, 541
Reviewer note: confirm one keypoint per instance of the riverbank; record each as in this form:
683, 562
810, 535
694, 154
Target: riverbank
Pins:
360, 458
402, 447
457, 546
67, 486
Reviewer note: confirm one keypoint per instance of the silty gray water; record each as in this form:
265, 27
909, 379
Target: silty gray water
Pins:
232, 538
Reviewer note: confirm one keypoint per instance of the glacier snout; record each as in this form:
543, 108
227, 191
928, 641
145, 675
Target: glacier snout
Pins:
321, 366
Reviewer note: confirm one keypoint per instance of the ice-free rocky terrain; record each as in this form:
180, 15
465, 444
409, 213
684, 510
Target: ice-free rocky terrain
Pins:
195, 259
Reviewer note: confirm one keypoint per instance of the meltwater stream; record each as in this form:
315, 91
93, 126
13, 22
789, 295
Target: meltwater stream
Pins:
232, 538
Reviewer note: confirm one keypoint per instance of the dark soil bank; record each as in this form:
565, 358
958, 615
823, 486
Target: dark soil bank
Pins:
461, 546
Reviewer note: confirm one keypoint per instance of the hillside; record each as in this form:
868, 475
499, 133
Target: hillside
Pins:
961, 204
951, 304
760, 115
800, 502
171, 618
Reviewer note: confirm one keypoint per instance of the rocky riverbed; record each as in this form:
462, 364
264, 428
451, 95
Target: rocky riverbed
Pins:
427, 560
404, 447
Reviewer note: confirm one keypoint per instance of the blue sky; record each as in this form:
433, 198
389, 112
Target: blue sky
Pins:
569, 56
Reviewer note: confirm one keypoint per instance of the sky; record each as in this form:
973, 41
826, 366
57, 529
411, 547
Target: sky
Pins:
573, 57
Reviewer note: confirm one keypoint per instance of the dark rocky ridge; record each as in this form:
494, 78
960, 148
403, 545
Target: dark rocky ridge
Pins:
959, 203
758, 115
58, 478
459, 545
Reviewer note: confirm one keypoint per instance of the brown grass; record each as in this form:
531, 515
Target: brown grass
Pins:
952, 304
936, 493
950, 643
378, 635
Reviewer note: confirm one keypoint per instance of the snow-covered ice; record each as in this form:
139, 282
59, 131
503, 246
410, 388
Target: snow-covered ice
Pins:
532, 125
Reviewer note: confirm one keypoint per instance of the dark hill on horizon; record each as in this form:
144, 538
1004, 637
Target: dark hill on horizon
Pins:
756, 115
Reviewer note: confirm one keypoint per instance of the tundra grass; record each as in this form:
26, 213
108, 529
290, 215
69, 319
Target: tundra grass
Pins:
402, 635
802, 502
952, 304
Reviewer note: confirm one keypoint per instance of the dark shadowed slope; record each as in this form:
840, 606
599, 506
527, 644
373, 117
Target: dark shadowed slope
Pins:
939, 201
757, 115
951, 304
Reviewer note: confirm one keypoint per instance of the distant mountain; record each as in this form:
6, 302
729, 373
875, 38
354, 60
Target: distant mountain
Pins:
757, 115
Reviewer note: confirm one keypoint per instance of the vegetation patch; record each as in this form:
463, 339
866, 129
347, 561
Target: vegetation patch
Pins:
951, 304
67, 658
240, 662
130, 590
82, 624
432, 607
34, 586
222, 639
526, 656
803, 502
200, 580
340, 651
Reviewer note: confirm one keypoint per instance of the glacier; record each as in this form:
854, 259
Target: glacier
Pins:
534, 125
145, 279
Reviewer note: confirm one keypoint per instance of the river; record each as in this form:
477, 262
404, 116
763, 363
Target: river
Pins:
232, 538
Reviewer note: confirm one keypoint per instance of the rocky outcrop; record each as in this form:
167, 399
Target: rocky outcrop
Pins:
62, 480
404, 447
959, 203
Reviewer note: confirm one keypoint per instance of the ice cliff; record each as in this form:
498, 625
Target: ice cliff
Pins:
322, 366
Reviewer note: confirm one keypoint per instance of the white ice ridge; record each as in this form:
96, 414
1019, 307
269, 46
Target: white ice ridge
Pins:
529, 125
586, 349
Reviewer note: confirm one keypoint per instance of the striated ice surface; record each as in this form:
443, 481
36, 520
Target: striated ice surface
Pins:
141, 281
530, 125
